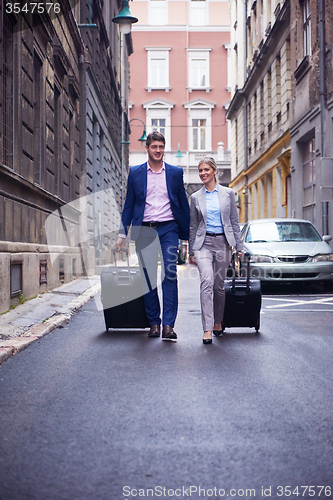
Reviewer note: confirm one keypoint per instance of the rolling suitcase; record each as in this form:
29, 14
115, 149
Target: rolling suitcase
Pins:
242, 300
122, 297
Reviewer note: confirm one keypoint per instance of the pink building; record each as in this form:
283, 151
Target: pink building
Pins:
179, 81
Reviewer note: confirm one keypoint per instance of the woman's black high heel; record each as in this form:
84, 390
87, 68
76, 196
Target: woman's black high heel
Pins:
207, 341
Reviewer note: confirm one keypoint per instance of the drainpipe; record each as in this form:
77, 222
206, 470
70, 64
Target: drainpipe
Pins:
322, 73
122, 100
246, 151
322, 103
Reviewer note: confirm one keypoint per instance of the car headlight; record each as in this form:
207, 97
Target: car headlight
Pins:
261, 258
323, 257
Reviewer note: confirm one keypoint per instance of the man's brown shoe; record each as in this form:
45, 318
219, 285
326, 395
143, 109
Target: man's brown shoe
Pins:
155, 331
169, 334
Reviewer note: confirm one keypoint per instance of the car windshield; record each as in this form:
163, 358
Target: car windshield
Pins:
281, 231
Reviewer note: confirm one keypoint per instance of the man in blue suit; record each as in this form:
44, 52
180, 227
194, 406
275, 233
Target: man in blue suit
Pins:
156, 205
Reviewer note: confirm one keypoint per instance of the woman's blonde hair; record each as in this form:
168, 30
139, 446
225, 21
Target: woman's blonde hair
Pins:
210, 161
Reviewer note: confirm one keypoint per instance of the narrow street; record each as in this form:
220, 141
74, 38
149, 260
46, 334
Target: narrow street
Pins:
94, 415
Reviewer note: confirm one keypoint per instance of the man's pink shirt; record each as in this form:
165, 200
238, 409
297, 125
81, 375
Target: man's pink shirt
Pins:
158, 206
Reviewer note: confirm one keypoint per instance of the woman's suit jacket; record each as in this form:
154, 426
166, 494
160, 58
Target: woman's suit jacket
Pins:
229, 215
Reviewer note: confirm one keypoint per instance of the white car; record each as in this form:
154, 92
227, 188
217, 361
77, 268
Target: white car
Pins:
288, 250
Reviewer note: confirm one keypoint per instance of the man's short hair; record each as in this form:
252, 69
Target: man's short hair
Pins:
155, 136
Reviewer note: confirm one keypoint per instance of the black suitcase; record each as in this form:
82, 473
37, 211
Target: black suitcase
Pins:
242, 300
122, 297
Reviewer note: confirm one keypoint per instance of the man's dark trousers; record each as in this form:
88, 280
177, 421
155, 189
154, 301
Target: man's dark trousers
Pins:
148, 243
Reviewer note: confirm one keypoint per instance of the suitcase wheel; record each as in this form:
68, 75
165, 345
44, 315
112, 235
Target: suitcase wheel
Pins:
258, 325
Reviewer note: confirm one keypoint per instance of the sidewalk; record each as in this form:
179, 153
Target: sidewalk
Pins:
37, 317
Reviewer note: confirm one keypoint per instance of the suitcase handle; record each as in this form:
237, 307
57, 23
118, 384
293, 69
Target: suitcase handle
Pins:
120, 280
233, 263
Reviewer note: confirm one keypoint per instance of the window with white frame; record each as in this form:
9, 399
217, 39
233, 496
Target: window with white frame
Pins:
158, 117
200, 125
309, 179
158, 69
158, 125
198, 12
198, 69
306, 14
157, 12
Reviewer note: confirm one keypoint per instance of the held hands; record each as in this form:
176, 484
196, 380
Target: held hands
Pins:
191, 259
120, 243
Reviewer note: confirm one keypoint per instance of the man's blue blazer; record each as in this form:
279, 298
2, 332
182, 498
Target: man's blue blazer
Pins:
136, 199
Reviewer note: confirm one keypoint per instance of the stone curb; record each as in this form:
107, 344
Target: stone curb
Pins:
10, 347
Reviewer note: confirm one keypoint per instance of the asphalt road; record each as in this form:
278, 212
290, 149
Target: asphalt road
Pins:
94, 415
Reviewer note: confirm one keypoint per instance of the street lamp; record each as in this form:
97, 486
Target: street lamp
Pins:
142, 139
125, 18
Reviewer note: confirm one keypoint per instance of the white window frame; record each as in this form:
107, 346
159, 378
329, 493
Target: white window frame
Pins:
159, 109
193, 56
309, 179
157, 12
306, 27
158, 53
198, 12
200, 110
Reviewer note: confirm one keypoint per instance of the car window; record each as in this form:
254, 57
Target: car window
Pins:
281, 231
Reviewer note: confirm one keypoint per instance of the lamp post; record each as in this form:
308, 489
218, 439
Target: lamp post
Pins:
125, 20
142, 139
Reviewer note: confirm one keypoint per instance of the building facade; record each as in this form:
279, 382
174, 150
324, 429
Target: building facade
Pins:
281, 109
60, 131
260, 108
312, 112
179, 82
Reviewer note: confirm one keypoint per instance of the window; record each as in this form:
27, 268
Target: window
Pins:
200, 124
15, 278
61, 270
269, 100
8, 92
306, 14
158, 117
42, 272
262, 111
57, 137
198, 13
198, 134
158, 69
309, 179
198, 70
157, 11
278, 87
38, 127
158, 125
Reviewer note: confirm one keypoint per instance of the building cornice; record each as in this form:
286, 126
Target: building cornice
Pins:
281, 142
184, 28
235, 104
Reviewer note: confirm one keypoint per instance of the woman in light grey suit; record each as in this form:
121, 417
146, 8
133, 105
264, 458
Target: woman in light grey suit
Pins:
214, 229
